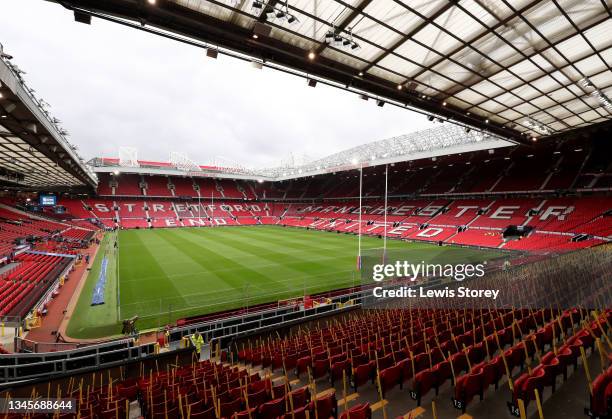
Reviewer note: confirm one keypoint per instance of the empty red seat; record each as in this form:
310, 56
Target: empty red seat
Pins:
302, 365
389, 378
423, 382
327, 407
299, 397
360, 411
363, 374
526, 384
272, 409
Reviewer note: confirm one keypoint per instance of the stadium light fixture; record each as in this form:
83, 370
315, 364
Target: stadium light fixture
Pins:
361, 74
116, 172
399, 87
311, 55
1, 96
81, 17
151, 2
337, 39
255, 36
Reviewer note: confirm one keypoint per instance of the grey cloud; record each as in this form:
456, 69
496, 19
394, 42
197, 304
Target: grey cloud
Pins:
114, 86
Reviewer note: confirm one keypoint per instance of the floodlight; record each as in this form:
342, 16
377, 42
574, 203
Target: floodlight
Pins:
212, 53
82, 17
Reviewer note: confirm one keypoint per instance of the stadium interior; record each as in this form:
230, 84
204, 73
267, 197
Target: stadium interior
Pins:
112, 267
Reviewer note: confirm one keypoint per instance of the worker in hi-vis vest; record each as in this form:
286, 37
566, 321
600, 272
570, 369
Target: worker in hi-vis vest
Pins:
197, 340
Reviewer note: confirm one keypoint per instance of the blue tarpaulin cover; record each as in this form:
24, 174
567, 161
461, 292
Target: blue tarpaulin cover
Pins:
98, 292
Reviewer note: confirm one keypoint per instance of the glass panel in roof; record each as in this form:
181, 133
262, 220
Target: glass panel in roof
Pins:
483, 15
375, 33
459, 24
399, 65
470, 96
545, 83
543, 102
510, 114
390, 13
492, 106
592, 64
599, 35
574, 48
343, 58
433, 38
385, 74
487, 88
417, 53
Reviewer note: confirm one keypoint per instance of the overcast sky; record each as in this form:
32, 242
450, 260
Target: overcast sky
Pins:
114, 86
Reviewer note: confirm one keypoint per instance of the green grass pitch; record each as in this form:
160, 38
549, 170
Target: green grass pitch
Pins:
165, 274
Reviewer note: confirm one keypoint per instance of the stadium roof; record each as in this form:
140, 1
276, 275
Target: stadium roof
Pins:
434, 142
34, 152
516, 69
